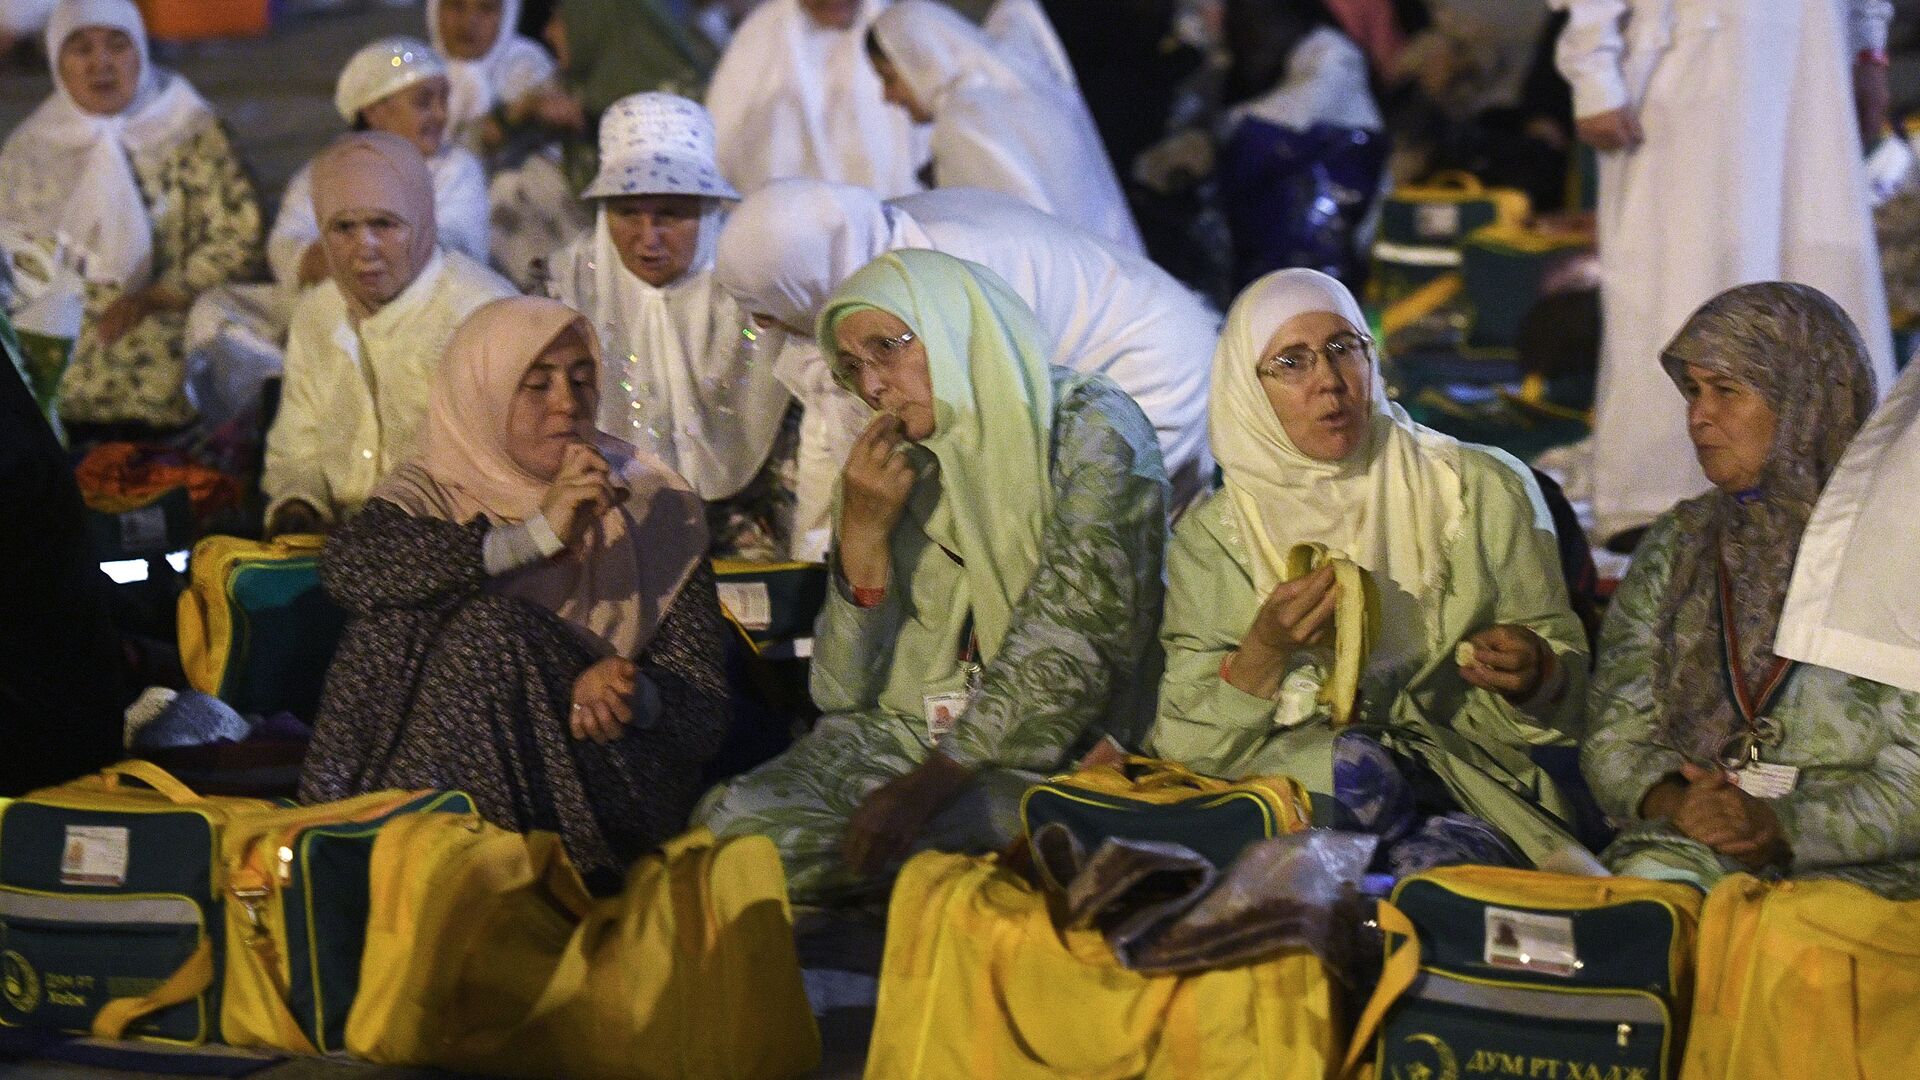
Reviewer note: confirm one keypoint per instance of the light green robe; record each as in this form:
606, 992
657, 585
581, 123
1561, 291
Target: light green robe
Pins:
1078, 661
1501, 567
1855, 813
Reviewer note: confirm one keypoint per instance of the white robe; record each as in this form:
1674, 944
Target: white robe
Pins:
1002, 124
790, 99
687, 375
1851, 605
512, 67
1751, 171
354, 398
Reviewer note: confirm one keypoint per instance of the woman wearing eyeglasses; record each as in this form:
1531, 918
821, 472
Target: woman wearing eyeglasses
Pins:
999, 539
1460, 551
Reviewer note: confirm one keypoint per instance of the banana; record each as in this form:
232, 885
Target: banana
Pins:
1355, 624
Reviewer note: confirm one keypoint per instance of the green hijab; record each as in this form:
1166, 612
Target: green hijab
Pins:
993, 417
622, 47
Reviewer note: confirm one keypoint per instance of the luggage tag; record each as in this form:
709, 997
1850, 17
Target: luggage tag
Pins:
943, 711
1764, 781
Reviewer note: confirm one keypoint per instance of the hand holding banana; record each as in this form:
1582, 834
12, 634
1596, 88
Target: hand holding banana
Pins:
1508, 660
1321, 592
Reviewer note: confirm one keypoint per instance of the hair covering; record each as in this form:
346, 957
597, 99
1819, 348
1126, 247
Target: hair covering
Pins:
66, 174
787, 246
658, 144
1850, 606
617, 48
993, 418
793, 99
376, 170
384, 68
1393, 506
619, 582
511, 66
1052, 158
1801, 353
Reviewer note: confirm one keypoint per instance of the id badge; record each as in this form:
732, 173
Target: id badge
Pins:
943, 712
1764, 781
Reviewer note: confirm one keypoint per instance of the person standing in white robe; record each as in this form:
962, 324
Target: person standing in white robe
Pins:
1730, 152
794, 96
1850, 606
999, 122
493, 70
365, 343
1106, 310
687, 375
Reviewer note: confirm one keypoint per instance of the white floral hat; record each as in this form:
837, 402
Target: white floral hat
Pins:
657, 144
382, 69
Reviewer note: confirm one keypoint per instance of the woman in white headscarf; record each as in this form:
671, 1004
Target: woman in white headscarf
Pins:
1478, 658
794, 96
493, 69
1000, 122
786, 248
122, 200
687, 375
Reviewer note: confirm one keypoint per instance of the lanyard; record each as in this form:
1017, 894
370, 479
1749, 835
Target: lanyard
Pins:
1751, 701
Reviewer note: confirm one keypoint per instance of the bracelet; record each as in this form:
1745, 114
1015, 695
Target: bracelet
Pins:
1872, 58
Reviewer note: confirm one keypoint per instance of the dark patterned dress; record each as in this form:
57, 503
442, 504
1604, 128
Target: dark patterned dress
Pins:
439, 683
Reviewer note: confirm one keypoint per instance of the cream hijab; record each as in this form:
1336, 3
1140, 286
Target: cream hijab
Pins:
69, 173
512, 66
376, 170
619, 583
1393, 506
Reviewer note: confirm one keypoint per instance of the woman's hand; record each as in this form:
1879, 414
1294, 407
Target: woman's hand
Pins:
580, 493
1296, 614
896, 813
131, 308
1509, 660
601, 700
557, 109
313, 265
873, 494
1615, 129
1705, 805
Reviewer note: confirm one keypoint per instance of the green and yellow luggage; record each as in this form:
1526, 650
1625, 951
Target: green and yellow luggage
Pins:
256, 629
1422, 227
771, 601
110, 917
1503, 266
1492, 970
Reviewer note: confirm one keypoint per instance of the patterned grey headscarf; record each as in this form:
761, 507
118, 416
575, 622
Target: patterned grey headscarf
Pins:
1798, 349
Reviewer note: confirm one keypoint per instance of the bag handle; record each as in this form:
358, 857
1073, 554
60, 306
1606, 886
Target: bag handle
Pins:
151, 775
188, 982
1455, 180
1152, 774
1401, 969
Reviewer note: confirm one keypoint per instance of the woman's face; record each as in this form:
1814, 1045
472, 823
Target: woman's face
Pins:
895, 90
831, 14
1731, 426
468, 28
553, 407
368, 252
656, 235
887, 366
101, 69
417, 114
1317, 371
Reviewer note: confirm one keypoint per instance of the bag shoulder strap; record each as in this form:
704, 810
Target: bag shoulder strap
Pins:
1401, 969
188, 982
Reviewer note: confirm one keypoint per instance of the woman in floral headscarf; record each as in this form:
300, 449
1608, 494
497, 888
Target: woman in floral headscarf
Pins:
1724, 755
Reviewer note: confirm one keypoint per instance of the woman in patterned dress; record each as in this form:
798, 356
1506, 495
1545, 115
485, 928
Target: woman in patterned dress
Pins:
996, 582
1720, 754
533, 620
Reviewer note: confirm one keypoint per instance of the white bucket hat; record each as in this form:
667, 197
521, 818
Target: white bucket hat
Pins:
657, 144
383, 69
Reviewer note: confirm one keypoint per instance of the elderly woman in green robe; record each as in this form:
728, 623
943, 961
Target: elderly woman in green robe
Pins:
1478, 659
996, 582
1721, 754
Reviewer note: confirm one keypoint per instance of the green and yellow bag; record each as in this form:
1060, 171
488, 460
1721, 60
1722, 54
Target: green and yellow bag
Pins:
1522, 973
256, 629
771, 601
1503, 266
1149, 799
1805, 979
1422, 227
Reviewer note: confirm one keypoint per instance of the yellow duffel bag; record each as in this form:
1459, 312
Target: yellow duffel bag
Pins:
978, 984
1800, 980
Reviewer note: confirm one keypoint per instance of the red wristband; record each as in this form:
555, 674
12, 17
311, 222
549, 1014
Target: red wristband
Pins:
1873, 57
868, 598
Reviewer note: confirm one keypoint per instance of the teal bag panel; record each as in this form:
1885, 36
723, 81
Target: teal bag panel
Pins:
1502, 285
63, 957
327, 907
1624, 945
285, 630
165, 851
1217, 827
794, 594
1447, 1027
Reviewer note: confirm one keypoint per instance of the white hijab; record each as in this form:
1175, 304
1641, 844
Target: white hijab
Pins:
790, 99
1003, 122
67, 174
1393, 506
512, 66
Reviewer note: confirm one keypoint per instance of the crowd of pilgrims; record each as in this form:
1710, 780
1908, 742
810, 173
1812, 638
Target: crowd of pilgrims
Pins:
1055, 492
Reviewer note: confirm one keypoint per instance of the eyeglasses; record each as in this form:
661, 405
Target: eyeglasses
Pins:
1295, 364
882, 353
